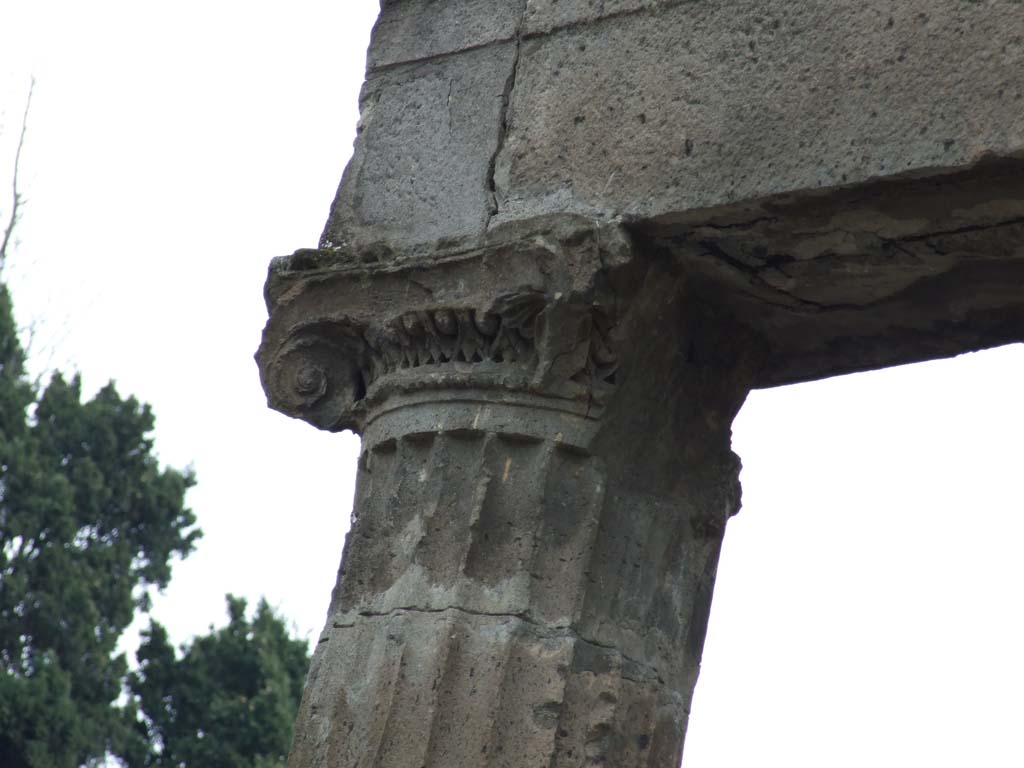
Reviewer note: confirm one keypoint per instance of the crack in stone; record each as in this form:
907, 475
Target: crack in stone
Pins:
601, 17
503, 127
520, 35
962, 230
543, 630
381, 69
777, 262
750, 224
451, 86
756, 279
895, 241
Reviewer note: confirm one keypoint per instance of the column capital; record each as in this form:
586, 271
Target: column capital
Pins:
544, 482
530, 314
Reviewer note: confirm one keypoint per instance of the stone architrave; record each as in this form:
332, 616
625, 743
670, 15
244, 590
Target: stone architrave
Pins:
573, 236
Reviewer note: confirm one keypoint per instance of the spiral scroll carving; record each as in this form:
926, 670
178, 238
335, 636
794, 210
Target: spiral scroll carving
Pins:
324, 370
316, 378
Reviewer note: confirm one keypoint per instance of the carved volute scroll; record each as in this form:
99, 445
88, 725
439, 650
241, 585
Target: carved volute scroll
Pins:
327, 373
317, 375
329, 356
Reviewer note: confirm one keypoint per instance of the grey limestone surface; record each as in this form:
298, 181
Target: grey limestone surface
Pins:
415, 30
422, 172
573, 236
528, 576
642, 108
650, 107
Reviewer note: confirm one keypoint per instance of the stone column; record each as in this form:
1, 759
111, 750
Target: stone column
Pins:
544, 483
572, 235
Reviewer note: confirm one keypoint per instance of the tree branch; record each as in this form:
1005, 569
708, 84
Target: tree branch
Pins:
16, 195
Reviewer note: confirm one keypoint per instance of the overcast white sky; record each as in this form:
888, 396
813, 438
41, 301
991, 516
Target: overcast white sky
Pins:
868, 609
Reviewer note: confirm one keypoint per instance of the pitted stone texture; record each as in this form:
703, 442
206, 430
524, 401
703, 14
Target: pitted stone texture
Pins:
421, 172
529, 572
544, 16
493, 523
456, 690
672, 106
528, 313
652, 107
535, 590
886, 273
497, 607
413, 30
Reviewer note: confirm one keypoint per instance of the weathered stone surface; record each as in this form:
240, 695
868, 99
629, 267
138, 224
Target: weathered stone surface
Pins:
647, 108
545, 16
878, 274
454, 689
672, 106
574, 234
344, 336
528, 575
413, 30
422, 171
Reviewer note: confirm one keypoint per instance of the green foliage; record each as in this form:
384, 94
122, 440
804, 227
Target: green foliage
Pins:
228, 701
88, 522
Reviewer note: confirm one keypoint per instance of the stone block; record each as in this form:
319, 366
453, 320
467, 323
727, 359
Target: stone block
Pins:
411, 30
679, 106
428, 136
544, 16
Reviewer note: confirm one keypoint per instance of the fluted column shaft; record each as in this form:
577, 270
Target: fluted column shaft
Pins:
542, 492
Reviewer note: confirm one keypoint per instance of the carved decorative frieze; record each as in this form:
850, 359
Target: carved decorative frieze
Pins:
329, 372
